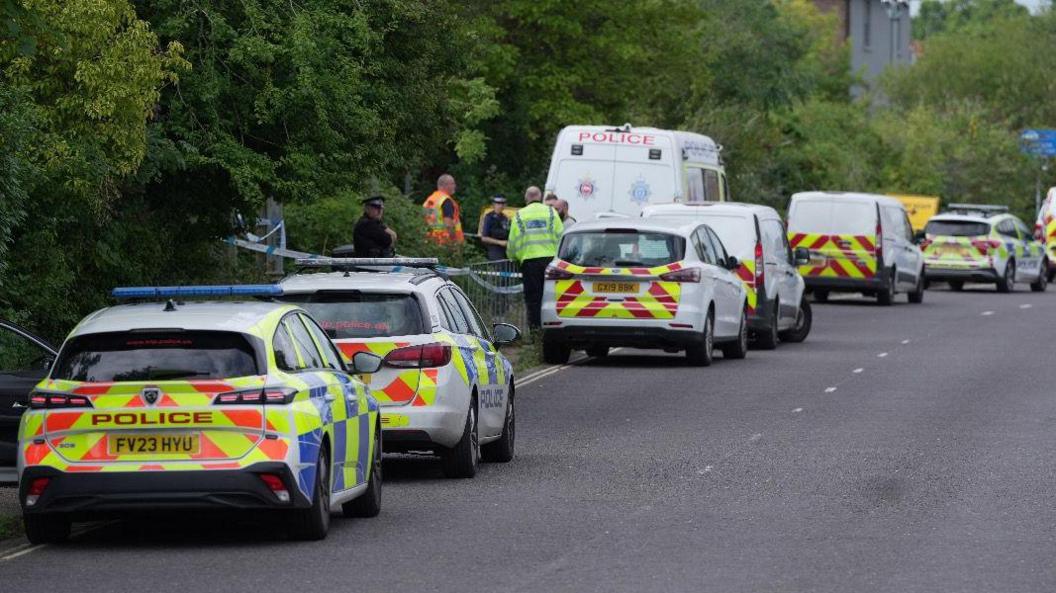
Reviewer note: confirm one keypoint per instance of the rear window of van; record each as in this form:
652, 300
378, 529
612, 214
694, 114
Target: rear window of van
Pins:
833, 217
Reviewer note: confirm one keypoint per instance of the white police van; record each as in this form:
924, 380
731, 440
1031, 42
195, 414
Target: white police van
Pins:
603, 170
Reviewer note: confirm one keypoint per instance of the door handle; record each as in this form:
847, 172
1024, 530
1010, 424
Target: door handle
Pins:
329, 397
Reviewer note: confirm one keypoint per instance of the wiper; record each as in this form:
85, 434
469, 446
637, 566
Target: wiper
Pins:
626, 263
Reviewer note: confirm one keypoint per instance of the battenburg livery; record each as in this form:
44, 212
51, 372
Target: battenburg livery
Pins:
187, 404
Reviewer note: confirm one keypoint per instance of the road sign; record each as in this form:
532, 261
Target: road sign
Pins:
1039, 142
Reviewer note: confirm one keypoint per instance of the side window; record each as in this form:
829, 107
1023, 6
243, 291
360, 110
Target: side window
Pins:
18, 353
712, 191
303, 341
725, 188
706, 247
1006, 228
695, 177
701, 252
285, 355
776, 240
720, 249
330, 355
1024, 233
459, 324
907, 227
476, 324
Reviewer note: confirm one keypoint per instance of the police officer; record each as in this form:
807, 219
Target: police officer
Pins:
371, 237
534, 236
495, 230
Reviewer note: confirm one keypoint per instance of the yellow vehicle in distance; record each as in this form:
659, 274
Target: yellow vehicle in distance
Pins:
919, 208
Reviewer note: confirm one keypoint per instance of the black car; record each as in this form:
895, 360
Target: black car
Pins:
24, 361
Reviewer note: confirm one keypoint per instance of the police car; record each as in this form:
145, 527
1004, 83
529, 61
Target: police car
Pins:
221, 404
443, 386
660, 283
975, 243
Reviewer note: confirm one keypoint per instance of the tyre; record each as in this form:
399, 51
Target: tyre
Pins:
462, 460
501, 451
917, 295
885, 297
1052, 273
766, 339
956, 285
821, 296
313, 522
368, 504
46, 528
1042, 282
804, 320
555, 352
738, 349
1007, 283
598, 351
701, 355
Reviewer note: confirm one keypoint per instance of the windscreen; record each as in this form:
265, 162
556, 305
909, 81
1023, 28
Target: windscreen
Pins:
622, 248
957, 228
363, 315
833, 217
156, 356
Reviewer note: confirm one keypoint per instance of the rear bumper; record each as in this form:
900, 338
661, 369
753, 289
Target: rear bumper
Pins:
759, 320
422, 428
844, 284
629, 336
160, 490
965, 274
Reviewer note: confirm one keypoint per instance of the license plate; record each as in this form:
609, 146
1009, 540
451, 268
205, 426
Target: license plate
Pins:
153, 444
610, 287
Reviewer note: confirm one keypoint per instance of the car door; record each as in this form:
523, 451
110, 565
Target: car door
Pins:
1031, 249
24, 361
783, 274
492, 390
1012, 248
728, 302
710, 274
914, 256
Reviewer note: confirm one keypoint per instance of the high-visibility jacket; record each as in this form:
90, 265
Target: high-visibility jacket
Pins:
535, 232
434, 218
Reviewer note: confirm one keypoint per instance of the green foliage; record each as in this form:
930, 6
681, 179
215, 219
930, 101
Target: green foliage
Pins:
942, 16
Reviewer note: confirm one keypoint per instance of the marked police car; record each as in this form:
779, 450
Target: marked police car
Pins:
645, 283
443, 386
777, 309
221, 404
976, 243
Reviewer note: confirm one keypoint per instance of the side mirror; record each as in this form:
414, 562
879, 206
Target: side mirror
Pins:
801, 256
505, 333
918, 237
732, 263
365, 363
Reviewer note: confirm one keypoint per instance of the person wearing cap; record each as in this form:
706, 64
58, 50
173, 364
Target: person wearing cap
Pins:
371, 237
495, 230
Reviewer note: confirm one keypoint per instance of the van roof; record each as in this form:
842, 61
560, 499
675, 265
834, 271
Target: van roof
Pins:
842, 195
701, 148
657, 224
704, 208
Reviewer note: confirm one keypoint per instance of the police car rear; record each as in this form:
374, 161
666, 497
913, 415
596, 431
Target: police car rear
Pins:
646, 283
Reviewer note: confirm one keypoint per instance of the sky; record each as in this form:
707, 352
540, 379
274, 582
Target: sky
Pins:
1034, 5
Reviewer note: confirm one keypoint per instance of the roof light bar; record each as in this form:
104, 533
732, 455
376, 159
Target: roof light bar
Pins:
977, 208
168, 292
407, 262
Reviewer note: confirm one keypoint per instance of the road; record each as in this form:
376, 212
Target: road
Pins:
899, 449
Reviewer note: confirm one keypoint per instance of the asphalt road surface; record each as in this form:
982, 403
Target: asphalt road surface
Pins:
909, 448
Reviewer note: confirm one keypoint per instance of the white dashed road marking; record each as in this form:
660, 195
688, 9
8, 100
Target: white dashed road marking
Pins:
905, 342
797, 410
987, 313
1027, 306
856, 371
830, 389
882, 355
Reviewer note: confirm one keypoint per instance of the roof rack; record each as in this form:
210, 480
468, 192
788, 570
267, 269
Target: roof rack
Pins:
206, 291
976, 209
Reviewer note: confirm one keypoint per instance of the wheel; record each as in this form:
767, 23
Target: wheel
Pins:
313, 522
701, 355
598, 351
1042, 282
462, 460
1052, 273
739, 348
917, 295
501, 451
368, 504
821, 296
956, 285
1007, 283
46, 528
886, 295
804, 319
555, 353
767, 339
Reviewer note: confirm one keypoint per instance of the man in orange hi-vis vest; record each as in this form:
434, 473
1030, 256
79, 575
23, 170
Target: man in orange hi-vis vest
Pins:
442, 215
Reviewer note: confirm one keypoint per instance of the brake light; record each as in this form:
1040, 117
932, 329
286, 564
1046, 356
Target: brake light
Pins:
760, 268
1038, 231
39, 400
985, 246
36, 489
422, 356
684, 275
277, 487
879, 241
556, 273
256, 397
924, 243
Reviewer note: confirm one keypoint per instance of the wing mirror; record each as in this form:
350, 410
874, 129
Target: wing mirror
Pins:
732, 263
505, 333
365, 363
918, 237
801, 256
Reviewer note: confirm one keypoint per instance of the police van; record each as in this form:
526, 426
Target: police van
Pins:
606, 171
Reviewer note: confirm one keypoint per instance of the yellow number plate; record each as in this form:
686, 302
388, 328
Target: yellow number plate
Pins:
154, 444
616, 287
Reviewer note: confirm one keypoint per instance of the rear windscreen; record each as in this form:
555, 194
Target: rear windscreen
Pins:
363, 315
607, 249
156, 356
833, 217
957, 228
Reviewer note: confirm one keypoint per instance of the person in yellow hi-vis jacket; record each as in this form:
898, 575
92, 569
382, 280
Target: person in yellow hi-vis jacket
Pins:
534, 237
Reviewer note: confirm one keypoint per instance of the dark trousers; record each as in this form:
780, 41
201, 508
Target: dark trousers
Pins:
533, 275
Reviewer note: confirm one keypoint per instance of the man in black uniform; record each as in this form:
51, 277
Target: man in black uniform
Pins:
371, 237
496, 229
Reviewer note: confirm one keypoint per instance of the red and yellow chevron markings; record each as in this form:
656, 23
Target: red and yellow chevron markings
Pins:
660, 300
846, 256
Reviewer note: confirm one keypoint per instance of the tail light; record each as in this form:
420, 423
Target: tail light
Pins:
879, 241
36, 489
984, 246
423, 356
685, 275
256, 397
555, 273
277, 487
925, 243
40, 399
1039, 232
760, 268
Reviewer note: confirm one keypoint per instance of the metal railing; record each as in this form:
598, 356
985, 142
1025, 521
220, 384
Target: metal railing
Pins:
496, 290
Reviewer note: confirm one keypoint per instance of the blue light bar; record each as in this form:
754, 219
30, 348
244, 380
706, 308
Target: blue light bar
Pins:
171, 292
